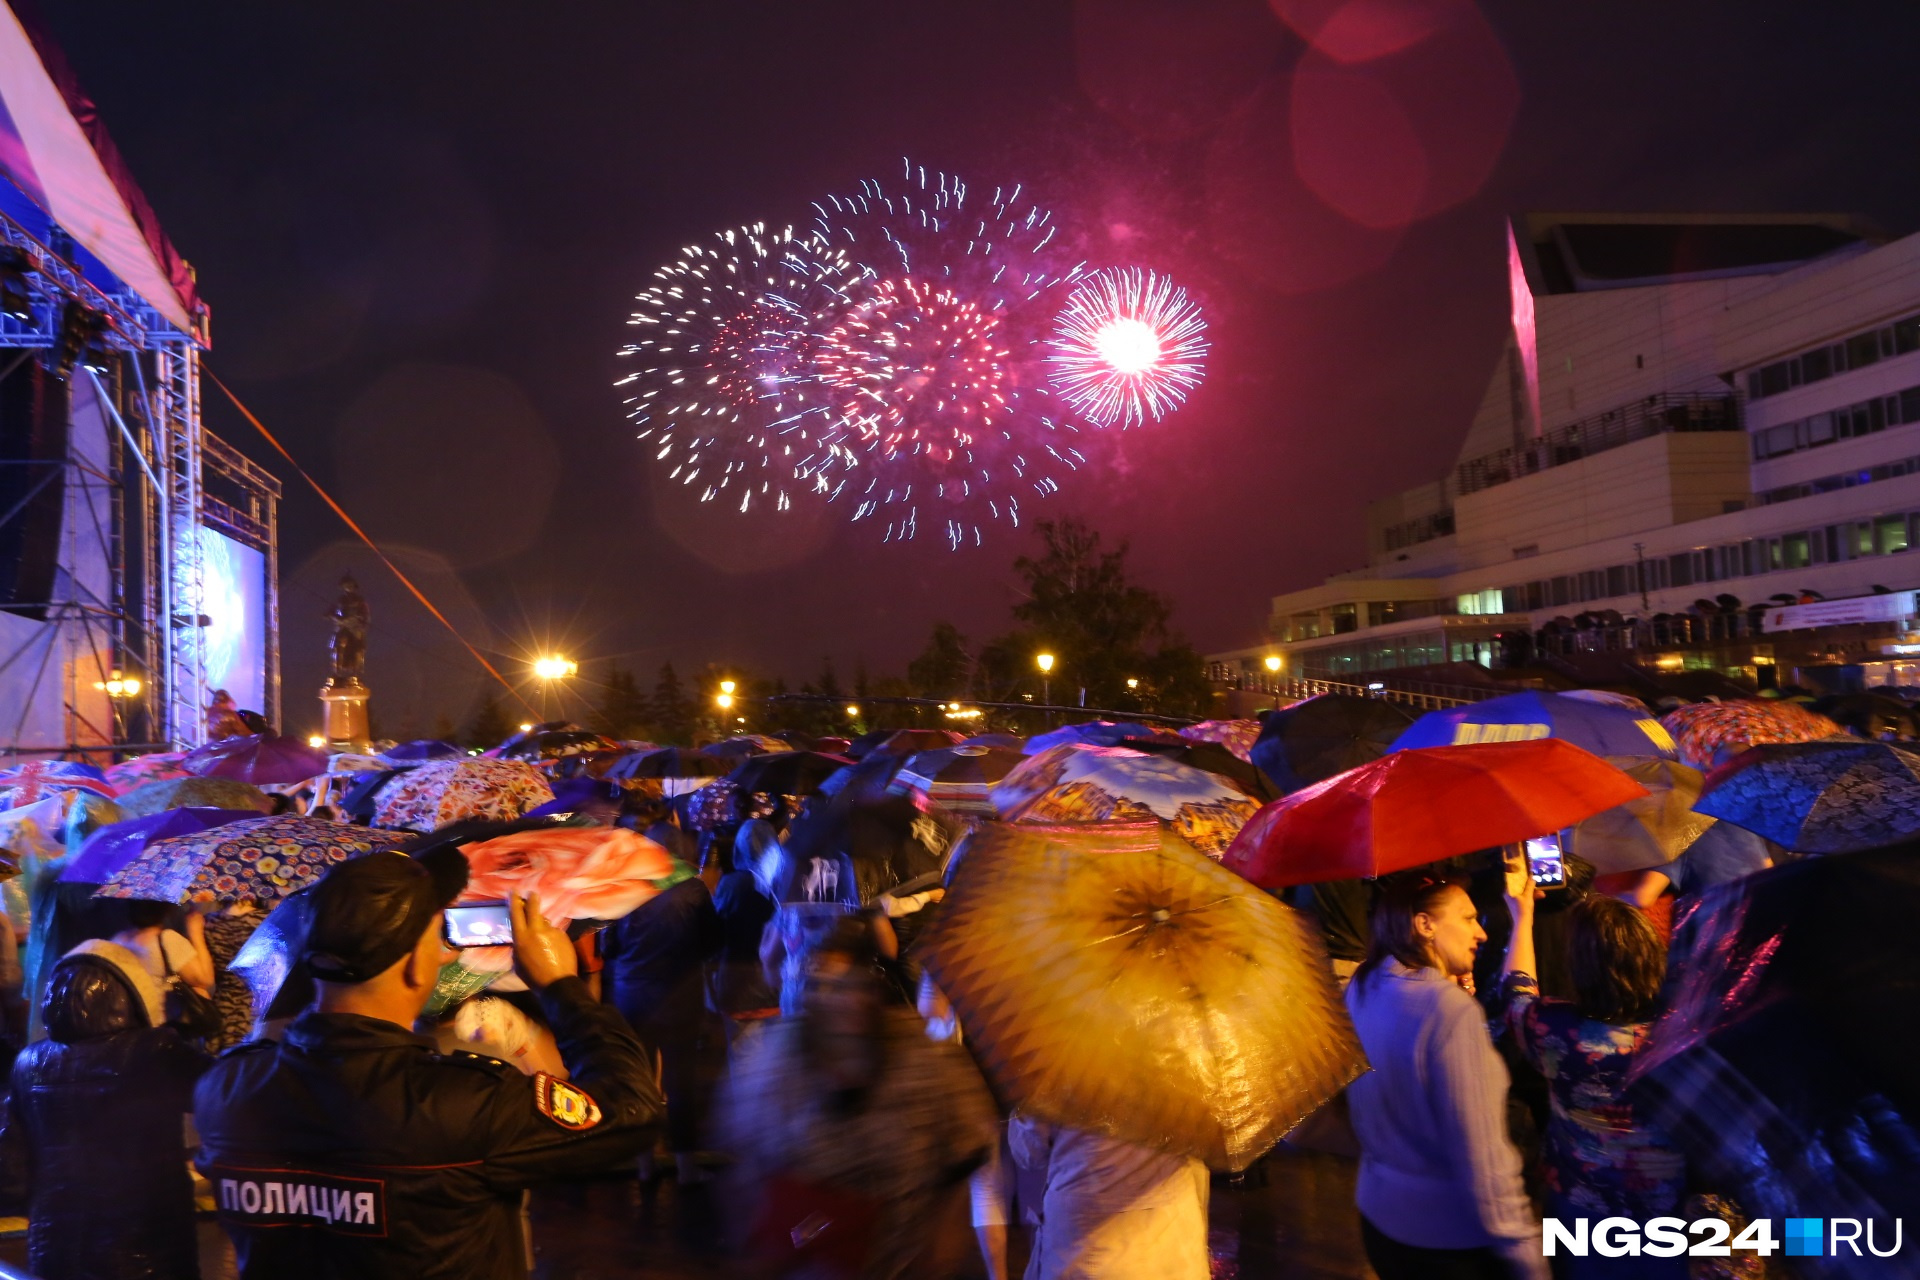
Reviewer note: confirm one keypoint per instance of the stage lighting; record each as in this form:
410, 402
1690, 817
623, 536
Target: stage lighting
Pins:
16, 295
80, 330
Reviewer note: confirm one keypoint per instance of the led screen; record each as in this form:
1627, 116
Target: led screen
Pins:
235, 602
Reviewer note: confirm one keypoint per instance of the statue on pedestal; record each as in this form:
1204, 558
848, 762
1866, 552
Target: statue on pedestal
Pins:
344, 696
350, 618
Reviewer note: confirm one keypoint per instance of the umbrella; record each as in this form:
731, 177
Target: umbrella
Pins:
747, 744
901, 742
273, 951
193, 793
112, 847
557, 744
959, 778
36, 780
448, 790
833, 745
420, 751
869, 779
1819, 797
1603, 727
786, 773
1102, 784
580, 873
262, 859
669, 762
1648, 832
262, 759
1710, 733
590, 800
1413, 807
517, 740
1213, 757
1311, 741
1098, 733
1237, 736
158, 767
1783, 1063
994, 740
1114, 980
1868, 714
713, 806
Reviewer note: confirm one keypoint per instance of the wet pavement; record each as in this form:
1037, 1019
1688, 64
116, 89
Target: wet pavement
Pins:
1290, 1218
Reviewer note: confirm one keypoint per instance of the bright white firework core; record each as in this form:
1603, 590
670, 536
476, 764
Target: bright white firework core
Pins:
1129, 345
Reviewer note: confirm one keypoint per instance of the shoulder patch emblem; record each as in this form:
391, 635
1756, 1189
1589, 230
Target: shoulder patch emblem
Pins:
567, 1106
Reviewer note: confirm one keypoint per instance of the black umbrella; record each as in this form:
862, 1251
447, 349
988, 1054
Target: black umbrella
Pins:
1313, 740
1213, 758
786, 773
1784, 1063
901, 742
669, 762
1868, 714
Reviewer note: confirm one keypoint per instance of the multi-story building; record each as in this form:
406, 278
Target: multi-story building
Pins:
1701, 425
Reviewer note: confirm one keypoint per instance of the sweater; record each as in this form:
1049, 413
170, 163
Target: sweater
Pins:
1437, 1169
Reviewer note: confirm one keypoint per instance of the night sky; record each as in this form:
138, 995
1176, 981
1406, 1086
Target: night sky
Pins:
420, 226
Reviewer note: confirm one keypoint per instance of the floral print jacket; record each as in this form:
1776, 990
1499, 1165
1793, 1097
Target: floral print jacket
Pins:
1601, 1158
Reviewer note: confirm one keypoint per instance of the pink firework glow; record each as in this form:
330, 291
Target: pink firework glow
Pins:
1127, 346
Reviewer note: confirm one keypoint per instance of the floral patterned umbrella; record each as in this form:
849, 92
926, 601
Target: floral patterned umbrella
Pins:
36, 780
448, 790
262, 859
1237, 736
1711, 733
1819, 797
161, 766
1108, 784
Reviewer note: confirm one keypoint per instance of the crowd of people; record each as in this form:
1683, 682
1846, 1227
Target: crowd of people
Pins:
761, 1031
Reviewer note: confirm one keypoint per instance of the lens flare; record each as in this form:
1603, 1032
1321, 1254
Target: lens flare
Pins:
1127, 347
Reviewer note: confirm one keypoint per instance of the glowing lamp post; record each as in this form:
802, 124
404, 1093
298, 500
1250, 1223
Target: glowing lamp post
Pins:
1045, 662
551, 670
1273, 673
119, 689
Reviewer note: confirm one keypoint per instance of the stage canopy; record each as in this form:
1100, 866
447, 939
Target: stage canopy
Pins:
58, 158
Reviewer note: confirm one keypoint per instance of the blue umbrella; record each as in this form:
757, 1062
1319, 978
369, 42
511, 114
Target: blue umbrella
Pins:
1100, 733
420, 751
1603, 728
113, 847
1819, 797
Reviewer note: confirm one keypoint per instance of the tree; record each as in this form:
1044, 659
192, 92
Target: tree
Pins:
623, 711
673, 712
1102, 628
944, 668
490, 726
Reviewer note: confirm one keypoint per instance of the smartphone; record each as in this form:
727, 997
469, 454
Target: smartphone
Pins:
480, 924
1544, 860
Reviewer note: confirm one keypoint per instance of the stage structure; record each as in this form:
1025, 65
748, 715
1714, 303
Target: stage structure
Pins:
138, 552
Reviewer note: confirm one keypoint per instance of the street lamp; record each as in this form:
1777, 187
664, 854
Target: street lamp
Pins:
118, 689
1132, 682
1045, 662
1273, 669
853, 713
550, 669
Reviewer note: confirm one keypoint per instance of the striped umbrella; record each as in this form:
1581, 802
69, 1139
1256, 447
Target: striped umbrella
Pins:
957, 778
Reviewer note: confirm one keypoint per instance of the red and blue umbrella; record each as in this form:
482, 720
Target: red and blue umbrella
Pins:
38, 780
1602, 728
112, 847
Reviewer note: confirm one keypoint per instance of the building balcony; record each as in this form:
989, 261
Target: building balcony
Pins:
1654, 416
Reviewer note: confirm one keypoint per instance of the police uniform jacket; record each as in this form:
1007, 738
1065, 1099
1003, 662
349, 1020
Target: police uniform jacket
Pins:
353, 1148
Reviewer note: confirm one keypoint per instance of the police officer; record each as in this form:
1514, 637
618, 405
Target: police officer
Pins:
353, 1148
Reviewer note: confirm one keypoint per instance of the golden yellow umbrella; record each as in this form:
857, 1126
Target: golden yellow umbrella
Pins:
1111, 978
1647, 832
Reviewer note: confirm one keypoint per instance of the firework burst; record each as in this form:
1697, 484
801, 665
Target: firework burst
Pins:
1127, 346
935, 376
724, 391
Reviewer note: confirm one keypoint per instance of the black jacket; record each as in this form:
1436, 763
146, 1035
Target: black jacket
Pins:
93, 1128
354, 1149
